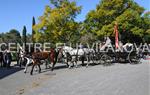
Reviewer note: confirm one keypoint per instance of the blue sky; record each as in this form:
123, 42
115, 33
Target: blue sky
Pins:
17, 13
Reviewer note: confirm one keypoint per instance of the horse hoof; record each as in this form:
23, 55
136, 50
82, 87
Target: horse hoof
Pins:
69, 67
31, 74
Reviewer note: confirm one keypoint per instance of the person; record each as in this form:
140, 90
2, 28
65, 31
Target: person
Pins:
52, 55
107, 43
1, 59
21, 56
7, 58
4, 59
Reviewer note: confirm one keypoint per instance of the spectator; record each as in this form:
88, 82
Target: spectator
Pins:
7, 58
1, 59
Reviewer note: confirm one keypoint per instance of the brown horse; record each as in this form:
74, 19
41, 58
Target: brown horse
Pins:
38, 56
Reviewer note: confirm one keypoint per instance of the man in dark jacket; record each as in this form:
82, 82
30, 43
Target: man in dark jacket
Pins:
1, 59
7, 58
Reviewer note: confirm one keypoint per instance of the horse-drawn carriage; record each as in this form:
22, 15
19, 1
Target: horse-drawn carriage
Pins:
127, 53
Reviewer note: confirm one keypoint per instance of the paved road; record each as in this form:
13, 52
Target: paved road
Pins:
118, 79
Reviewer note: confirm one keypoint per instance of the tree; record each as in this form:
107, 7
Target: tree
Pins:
33, 32
87, 38
57, 24
1, 37
127, 13
15, 36
10, 37
24, 35
29, 38
146, 26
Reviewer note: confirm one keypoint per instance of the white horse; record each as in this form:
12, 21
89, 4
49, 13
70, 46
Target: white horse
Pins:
23, 57
74, 55
29, 61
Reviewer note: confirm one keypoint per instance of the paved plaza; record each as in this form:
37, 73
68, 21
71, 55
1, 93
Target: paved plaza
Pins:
117, 79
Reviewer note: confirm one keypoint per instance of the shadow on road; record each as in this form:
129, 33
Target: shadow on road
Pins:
4, 72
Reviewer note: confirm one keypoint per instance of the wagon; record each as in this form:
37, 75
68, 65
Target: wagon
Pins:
109, 57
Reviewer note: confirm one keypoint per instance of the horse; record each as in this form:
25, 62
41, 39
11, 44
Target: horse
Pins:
38, 56
60, 56
74, 55
70, 55
35, 59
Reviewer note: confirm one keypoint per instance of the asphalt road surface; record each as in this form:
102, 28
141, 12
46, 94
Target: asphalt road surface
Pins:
117, 79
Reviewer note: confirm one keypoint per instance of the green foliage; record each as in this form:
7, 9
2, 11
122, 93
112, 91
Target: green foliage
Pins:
127, 13
24, 34
88, 38
57, 24
29, 38
33, 32
146, 26
12, 36
137, 31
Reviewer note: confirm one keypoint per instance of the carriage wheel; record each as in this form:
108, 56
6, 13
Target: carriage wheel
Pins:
133, 58
105, 60
96, 59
